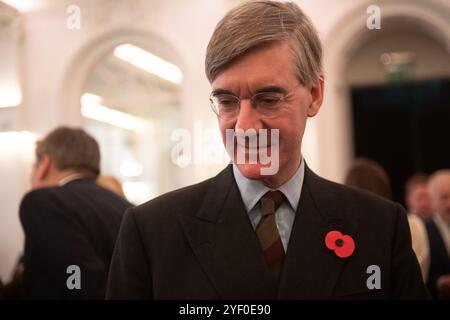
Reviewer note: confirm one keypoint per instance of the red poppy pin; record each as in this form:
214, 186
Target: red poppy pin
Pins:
343, 245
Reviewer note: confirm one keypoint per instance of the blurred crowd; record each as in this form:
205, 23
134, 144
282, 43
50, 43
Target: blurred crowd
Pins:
427, 198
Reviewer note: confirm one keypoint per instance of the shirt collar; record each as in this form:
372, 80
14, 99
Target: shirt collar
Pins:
252, 190
70, 178
441, 222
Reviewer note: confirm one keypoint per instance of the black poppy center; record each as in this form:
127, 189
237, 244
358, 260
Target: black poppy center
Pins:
339, 242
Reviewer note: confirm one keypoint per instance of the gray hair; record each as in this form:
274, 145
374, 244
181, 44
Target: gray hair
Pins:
71, 148
443, 173
256, 23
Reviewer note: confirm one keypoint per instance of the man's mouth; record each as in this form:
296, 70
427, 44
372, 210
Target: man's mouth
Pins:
250, 146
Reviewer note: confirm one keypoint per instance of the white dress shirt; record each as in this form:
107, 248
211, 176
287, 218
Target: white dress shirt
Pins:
420, 243
252, 191
444, 230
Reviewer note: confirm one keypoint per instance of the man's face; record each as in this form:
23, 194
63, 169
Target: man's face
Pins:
269, 67
418, 201
440, 196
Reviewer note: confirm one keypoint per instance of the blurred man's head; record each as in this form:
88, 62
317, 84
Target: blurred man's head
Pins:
439, 187
264, 63
369, 175
63, 152
417, 197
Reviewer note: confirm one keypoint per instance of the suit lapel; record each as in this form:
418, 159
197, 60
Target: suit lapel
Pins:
226, 245
311, 270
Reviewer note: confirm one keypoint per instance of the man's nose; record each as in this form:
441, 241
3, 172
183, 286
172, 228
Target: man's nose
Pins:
248, 117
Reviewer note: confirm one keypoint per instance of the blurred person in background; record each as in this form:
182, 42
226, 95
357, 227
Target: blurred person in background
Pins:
12, 290
70, 223
369, 175
111, 183
438, 229
418, 204
417, 196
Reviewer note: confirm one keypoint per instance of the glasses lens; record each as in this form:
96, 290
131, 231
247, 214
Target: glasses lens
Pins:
267, 102
225, 105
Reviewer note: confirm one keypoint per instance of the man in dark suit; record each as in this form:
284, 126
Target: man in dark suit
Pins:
438, 230
267, 228
70, 222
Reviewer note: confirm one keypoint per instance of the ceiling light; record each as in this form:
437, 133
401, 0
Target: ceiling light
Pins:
92, 108
149, 62
24, 5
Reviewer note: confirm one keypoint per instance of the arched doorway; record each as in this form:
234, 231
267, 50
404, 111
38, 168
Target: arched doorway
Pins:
334, 126
129, 110
399, 79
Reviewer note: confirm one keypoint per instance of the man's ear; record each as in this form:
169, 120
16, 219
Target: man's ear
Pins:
316, 92
43, 168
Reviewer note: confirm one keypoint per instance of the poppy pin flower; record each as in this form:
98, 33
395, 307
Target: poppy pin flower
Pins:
343, 245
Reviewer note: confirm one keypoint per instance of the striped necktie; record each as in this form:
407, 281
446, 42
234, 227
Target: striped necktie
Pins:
267, 231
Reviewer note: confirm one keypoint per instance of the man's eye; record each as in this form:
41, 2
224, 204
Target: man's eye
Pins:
270, 100
227, 102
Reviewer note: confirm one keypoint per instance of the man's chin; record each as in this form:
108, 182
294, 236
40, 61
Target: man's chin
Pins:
252, 171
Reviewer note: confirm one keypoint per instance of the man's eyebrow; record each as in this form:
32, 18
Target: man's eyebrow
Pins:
259, 90
272, 89
221, 91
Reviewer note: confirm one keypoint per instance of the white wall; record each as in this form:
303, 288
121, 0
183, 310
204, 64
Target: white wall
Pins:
16, 158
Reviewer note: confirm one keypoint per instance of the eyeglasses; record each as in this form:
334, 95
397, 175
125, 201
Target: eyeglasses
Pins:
267, 104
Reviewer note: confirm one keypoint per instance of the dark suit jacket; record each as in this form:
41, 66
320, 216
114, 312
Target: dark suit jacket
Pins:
75, 224
198, 243
439, 259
